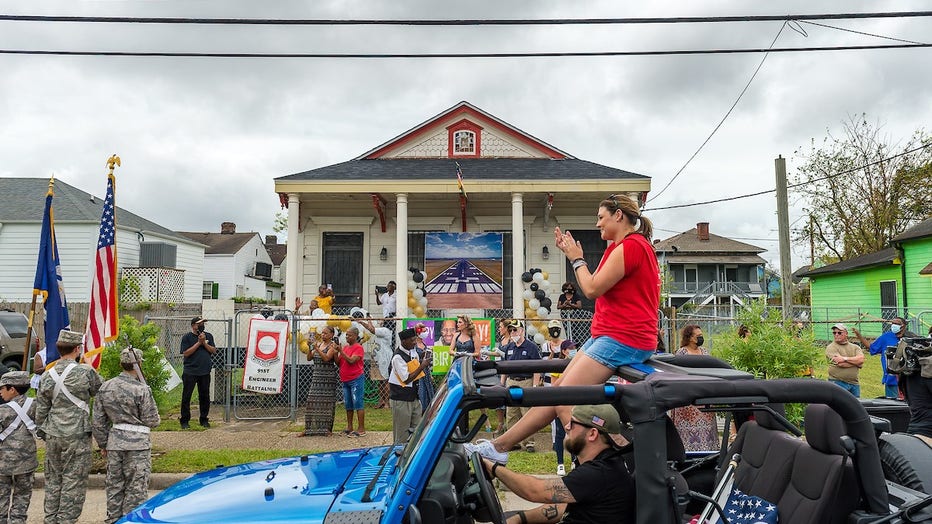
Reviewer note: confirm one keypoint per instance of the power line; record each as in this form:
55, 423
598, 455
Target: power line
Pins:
792, 186
464, 22
722, 121
861, 32
551, 54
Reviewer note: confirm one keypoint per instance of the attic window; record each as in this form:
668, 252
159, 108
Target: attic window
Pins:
464, 143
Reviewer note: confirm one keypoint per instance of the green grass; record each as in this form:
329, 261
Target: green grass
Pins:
869, 378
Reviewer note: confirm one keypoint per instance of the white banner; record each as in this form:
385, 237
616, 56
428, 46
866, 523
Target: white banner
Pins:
266, 345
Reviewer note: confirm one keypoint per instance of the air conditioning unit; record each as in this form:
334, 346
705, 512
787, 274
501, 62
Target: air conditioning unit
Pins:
262, 270
157, 254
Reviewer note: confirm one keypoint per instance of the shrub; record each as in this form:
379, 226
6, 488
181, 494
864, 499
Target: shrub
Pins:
141, 337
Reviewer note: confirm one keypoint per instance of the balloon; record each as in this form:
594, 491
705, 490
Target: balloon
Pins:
345, 324
546, 284
333, 321
318, 313
533, 303
538, 277
534, 286
411, 284
303, 347
418, 293
537, 270
546, 275
418, 277
422, 302
539, 339
526, 277
527, 294
412, 302
546, 302
540, 294
528, 312
419, 311
530, 331
423, 275
542, 312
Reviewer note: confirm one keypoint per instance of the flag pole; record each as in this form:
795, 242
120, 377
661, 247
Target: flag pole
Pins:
32, 307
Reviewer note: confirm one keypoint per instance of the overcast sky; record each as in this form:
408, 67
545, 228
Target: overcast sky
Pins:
202, 139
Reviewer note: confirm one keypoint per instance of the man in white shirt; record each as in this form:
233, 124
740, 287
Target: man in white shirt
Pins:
406, 369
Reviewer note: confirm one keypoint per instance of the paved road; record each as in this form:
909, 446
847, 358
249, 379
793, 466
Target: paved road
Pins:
462, 277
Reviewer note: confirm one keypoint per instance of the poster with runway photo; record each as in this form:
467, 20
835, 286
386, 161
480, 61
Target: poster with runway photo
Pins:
464, 270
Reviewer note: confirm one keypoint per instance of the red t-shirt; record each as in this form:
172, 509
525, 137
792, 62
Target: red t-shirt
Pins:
628, 311
350, 371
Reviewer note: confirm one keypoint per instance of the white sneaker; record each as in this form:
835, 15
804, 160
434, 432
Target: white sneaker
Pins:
486, 449
561, 471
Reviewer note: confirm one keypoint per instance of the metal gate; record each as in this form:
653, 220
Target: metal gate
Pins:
248, 405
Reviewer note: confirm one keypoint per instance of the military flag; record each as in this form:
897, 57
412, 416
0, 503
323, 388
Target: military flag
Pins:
48, 282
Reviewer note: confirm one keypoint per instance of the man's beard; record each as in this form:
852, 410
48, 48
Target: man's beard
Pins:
574, 445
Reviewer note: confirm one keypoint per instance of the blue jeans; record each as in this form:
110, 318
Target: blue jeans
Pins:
854, 389
354, 392
612, 354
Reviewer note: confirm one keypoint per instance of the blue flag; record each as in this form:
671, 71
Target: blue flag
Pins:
49, 284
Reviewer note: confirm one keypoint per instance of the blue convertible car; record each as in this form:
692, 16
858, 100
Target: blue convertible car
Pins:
848, 469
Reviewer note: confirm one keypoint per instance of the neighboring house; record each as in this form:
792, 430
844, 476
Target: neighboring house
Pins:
702, 269
235, 264
166, 266
871, 288
361, 223
277, 253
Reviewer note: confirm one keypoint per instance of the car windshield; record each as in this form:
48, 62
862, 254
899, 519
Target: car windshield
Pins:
428, 419
15, 325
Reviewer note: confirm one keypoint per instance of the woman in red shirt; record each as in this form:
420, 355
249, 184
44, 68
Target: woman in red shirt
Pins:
626, 289
349, 359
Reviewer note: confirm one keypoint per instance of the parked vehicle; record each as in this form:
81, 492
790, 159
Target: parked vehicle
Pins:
13, 328
835, 475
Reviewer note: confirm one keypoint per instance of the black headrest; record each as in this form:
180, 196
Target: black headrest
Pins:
824, 429
765, 420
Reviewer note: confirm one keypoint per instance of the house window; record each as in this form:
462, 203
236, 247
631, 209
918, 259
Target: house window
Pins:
464, 143
209, 289
888, 299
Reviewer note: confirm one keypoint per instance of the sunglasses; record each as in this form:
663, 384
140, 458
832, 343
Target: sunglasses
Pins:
835, 332
512, 329
578, 423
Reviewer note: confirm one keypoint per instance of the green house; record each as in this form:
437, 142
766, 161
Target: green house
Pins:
865, 291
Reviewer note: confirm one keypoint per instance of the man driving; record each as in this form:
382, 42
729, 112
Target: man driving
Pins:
600, 489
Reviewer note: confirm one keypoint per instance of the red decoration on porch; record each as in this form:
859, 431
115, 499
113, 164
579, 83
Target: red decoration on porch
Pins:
379, 204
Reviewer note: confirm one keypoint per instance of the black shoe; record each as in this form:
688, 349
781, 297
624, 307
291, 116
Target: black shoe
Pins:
205, 424
185, 425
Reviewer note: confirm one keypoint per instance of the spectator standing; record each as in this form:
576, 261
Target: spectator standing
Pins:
845, 360
406, 371
520, 348
197, 348
551, 346
124, 414
569, 299
425, 388
38, 367
466, 339
626, 289
389, 303
18, 461
382, 347
63, 419
350, 361
879, 346
324, 299
321, 396
698, 430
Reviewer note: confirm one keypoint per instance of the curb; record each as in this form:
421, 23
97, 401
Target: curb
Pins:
157, 481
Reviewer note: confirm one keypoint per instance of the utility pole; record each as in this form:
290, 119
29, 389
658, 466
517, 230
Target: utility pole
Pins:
783, 225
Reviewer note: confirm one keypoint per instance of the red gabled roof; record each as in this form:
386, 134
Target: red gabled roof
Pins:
465, 110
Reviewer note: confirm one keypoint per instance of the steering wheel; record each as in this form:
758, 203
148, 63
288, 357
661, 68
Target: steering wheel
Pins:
487, 495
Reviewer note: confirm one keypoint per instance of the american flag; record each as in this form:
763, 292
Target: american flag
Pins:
459, 180
102, 320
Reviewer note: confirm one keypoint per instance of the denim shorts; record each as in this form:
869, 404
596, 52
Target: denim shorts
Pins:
353, 393
612, 354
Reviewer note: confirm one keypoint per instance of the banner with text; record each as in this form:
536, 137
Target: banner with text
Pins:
440, 334
264, 369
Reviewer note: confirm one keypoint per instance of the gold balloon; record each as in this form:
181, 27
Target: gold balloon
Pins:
333, 321
304, 347
545, 274
412, 302
419, 311
345, 324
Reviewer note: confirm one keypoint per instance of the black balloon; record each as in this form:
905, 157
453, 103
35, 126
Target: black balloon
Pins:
526, 277
546, 302
540, 294
538, 270
534, 286
417, 277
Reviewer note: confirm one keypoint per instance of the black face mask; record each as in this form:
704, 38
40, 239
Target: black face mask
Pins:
700, 340
554, 333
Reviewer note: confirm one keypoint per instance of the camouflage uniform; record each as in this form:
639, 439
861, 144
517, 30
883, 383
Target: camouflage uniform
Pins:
124, 412
18, 461
66, 427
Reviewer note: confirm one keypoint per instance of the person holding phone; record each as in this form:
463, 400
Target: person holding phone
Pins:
197, 348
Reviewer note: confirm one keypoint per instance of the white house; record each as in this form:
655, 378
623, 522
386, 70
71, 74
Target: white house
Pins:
277, 253
169, 266
360, 223
235, 264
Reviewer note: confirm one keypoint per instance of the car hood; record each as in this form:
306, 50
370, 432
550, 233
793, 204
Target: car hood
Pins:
304, 489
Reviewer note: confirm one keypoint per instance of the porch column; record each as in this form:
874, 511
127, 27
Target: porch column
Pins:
517, 254
401, 254
293, 253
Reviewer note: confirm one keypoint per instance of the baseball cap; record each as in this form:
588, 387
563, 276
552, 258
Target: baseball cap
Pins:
567, 344
513, 323
603, 418
554, 324
840, 326
407, 333
197, 320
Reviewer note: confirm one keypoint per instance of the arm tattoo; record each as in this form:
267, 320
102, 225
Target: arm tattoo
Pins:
558, 491
550, 512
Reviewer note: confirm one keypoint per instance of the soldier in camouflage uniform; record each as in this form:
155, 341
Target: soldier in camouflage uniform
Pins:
18, 461
63, 419
124, 413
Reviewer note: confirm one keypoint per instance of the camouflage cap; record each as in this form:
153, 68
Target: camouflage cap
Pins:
129, 355
15, 378
70, 338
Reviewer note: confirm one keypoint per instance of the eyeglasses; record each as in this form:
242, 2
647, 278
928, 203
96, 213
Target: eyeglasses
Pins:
512, 329
834, 332
578, 423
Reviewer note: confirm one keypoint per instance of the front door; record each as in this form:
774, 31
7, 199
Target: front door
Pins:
342, 268
888, 302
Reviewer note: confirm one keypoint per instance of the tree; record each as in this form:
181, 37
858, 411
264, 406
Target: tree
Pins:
141, 337
861, 190
281, 222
